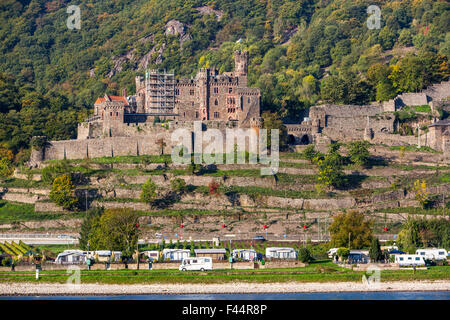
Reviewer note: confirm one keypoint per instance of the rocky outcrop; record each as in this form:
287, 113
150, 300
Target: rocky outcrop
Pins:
175, 27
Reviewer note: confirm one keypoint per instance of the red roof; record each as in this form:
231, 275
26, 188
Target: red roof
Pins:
113, 98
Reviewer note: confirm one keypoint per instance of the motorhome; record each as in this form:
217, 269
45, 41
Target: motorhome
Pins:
196, 264
432, 253
410, 260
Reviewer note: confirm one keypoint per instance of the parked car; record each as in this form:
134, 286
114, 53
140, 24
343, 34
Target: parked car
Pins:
259, 238
196, 264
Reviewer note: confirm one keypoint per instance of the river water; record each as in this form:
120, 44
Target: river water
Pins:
400, 295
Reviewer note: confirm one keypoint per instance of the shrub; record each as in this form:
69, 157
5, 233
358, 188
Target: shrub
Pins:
50, 172
359, 152
213, 188
148, 193
310, 153
304, 255
343, 253
420, 189
178, 185
62, 192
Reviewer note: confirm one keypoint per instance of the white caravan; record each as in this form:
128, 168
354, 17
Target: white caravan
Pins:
196, 264
432, 254
245, 254
409, 260
332, 252
281, 253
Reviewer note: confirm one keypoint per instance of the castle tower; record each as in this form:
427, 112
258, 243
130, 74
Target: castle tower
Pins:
241, 67
140, 95
113, 118
203, 92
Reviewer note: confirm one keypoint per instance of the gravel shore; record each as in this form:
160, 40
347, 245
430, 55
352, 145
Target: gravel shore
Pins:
43, 289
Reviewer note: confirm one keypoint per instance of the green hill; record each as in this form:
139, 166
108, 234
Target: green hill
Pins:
301, 52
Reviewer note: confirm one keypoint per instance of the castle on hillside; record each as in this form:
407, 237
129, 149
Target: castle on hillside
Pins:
209, 96
143, 124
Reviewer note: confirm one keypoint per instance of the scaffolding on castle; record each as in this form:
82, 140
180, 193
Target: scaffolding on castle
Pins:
160, 87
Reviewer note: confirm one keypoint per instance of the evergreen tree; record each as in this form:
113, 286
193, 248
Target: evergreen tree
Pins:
375, 253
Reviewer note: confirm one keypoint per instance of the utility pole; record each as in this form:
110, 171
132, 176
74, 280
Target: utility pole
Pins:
349, 234
137, 253
443, 204
318, 227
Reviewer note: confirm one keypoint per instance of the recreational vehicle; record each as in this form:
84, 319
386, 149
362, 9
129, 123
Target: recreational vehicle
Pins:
196, 264
332, 252
432, 254
71, 257
281, 253
409, 260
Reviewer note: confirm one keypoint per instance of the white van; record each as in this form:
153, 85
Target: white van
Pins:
432, 254
196, 264
409, 260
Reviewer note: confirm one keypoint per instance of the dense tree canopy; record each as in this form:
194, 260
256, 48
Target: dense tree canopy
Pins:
301, 52
353, 227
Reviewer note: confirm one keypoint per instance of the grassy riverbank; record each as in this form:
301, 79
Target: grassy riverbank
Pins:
316, 272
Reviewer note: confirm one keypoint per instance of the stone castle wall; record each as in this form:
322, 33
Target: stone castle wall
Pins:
140, 140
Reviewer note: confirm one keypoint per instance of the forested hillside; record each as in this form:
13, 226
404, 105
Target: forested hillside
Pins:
301, 52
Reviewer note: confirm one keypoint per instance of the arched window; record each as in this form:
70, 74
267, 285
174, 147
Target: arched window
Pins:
216, 102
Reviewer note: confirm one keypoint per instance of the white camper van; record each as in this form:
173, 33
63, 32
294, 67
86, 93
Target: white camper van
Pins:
196, 264
432, 254
409, 260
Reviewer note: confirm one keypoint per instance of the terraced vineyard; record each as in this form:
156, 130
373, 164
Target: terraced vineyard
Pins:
244, 202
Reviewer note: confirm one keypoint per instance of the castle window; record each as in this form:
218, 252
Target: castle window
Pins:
117, 114
248, 100
216, 102
110, 114
216, 115
191, 92
196, 114
177, 92
184, 114
216, 90
230, 90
